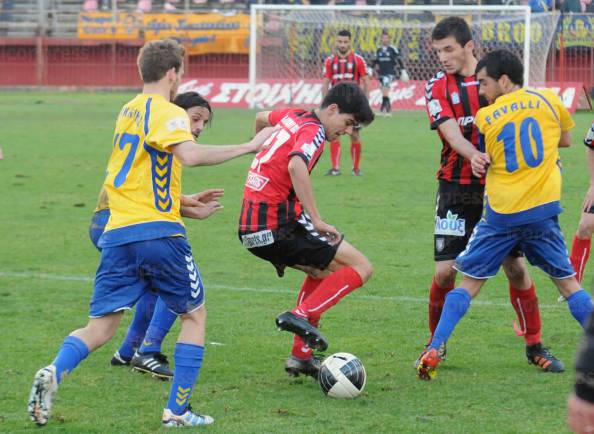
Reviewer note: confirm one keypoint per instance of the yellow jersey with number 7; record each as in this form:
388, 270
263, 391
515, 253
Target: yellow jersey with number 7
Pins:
143, 181
520, 131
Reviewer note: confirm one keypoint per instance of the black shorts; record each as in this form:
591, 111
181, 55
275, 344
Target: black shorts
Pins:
296, 243
458, 210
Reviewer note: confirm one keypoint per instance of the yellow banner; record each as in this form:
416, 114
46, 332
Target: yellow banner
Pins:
102, 25
201, 33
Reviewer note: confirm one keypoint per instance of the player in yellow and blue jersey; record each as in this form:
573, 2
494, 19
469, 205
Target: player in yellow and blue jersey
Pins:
144, 245
152, 320
521, 131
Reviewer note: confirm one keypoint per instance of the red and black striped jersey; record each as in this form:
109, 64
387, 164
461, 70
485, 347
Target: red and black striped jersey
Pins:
453, 96
269, 200
349, 68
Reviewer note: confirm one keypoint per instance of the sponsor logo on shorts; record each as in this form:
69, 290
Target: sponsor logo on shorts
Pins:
439, 244
451, 225
255, 181
257, 239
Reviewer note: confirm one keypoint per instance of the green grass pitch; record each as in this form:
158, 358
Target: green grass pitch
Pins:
56, 146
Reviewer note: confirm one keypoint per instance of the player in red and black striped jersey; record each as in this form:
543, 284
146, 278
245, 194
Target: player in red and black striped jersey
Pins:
452, 100
275, 226
345, 65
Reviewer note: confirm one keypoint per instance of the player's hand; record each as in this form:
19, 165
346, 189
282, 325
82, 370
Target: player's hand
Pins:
480, 163
328, 231
201, 205
204, 196
202, 210
260, 140
589, 199
580, 415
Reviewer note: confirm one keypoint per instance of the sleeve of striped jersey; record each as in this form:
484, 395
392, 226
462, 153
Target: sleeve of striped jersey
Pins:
169, 128
309, 144
436, 101
362, 66
328, 68
275, 116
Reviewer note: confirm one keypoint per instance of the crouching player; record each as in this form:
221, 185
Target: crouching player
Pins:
522, 130
280, 221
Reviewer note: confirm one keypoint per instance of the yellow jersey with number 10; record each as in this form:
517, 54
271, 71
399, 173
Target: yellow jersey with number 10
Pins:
143, 181
520, 131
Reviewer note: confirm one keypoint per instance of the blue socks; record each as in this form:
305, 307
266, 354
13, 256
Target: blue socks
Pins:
160, 325
142, 317
71, 353
188, 360
580, 306
455, 306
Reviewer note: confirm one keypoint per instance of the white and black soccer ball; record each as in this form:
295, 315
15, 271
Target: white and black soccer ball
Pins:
342, 375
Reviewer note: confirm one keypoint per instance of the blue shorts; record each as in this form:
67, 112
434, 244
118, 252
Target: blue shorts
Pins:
164, 265
542, 242
97, 227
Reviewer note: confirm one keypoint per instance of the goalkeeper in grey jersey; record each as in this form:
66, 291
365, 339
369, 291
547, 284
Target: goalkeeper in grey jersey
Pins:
388, 65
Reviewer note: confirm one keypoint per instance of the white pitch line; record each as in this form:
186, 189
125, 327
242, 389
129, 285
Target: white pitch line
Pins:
396, 299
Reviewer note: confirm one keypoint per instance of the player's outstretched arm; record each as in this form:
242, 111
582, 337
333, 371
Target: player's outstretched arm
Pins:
192, 154
262, 121
304, 191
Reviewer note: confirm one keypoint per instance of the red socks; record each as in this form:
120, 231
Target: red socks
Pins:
580, 252
437, 296
300, 349
335, 153
525, 304
329, 292
317, 296
356, 154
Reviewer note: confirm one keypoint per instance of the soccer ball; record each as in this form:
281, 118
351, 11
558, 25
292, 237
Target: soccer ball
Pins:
342, 375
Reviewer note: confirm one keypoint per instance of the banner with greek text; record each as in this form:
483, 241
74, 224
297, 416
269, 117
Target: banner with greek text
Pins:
269, 94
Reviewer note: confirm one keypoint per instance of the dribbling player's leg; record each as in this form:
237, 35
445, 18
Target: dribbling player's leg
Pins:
350, 270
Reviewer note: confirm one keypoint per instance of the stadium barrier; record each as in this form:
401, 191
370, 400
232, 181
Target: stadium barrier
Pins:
272, 94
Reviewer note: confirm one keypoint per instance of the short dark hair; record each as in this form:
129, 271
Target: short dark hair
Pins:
452, 26
344, 32
500, 62
350, 99
385, 32
157, 57
188, 100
